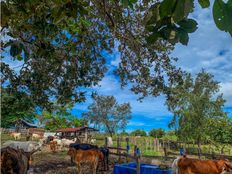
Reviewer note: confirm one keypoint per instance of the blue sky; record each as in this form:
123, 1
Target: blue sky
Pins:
208, 48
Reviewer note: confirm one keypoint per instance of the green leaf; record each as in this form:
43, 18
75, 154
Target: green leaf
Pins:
153, 38
204, 3
183, 37
182, 10
189, 25
222, 14
15, 49
167, 8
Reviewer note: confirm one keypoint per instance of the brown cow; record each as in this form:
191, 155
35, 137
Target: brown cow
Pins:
53, 145
15, 161
184, 165
86, 156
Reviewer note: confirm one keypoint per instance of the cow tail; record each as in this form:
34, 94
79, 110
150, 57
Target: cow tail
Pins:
175, 169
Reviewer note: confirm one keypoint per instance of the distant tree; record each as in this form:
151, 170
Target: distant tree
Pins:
193, 103
138, 132
15, 105
61, 117
159, 133
105, 113
124, 133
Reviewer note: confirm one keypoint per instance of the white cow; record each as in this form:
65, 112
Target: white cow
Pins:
27, 146
67, 142
16, 135
35, 136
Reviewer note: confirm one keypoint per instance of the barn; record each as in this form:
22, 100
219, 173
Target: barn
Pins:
83, 134
22, 125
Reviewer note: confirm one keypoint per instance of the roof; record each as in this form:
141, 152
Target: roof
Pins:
76, 129
26, 123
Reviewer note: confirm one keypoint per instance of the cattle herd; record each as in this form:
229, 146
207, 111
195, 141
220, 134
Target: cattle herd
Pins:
16, 157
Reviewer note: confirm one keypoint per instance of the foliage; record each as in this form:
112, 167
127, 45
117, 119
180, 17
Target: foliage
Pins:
157, 133
168, 19
59, 118
170, 135
62, 46
194, 102
105, 113
138, 132
14, 106
124, 133
219, 130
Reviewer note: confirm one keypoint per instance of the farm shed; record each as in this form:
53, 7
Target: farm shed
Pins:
83, 134
22, 126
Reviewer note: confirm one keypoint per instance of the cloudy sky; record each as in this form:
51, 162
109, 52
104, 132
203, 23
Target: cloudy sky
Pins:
208, 48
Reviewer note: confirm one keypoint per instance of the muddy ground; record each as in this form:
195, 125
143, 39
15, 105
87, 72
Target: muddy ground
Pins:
47, 162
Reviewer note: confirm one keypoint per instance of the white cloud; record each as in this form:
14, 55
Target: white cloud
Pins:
208, 48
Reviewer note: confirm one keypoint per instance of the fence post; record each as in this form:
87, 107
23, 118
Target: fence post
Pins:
137, 159
106, 142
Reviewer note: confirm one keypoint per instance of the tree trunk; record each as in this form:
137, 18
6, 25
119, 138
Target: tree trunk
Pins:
199, 149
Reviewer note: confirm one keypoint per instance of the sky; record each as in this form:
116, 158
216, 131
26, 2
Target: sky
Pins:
208, 48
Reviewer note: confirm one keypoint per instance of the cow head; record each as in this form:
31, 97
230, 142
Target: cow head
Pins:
71, 152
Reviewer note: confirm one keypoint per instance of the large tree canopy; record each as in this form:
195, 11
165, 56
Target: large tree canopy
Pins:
105, 113
61, 43
61, 46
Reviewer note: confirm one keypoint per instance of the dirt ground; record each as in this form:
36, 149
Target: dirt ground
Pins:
47, 162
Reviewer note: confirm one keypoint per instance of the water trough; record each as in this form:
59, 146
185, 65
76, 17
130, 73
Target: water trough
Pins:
130, 168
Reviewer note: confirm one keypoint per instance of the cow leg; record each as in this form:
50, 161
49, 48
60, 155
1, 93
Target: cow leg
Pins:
95, 166
78, 168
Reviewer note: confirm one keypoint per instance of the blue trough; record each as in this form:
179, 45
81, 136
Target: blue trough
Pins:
130, 168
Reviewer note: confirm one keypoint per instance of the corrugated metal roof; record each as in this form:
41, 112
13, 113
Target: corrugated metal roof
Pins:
75, 129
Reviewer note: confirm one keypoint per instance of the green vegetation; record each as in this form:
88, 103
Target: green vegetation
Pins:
14, 106
196, 108
107, 114
61, 117
159, 133
138, 132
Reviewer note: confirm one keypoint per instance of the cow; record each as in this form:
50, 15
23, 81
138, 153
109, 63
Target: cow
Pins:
35, 136
26, 146
184, 165
53, 145
16, 135
15, 161
92, 156
66, 142
104, 150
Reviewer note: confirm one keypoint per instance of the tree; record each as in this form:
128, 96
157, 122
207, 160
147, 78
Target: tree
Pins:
15, 106
59, 118
105, 113
138, 132
60, 44
124, 133
157, 133
193, 103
